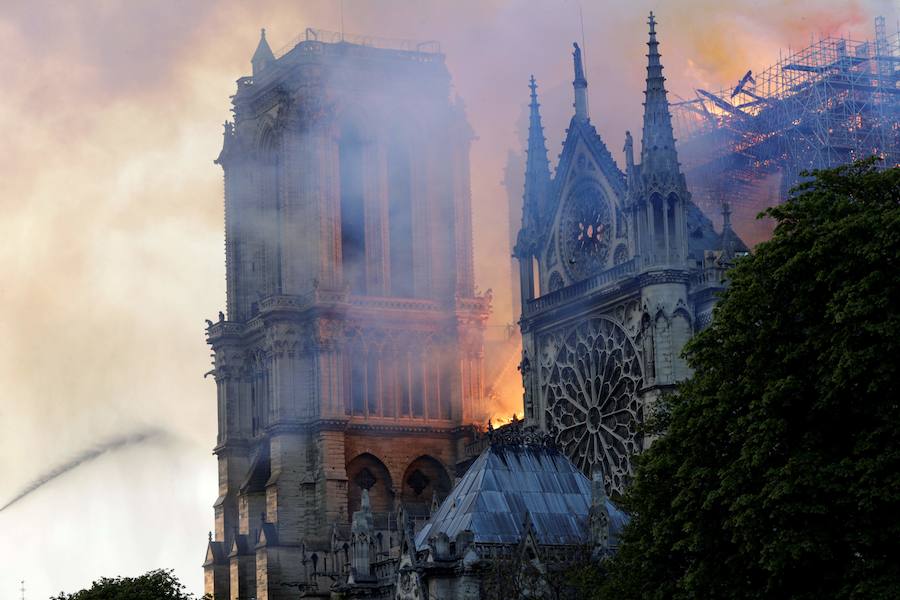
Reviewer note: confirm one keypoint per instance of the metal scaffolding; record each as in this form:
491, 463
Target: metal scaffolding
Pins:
833, 102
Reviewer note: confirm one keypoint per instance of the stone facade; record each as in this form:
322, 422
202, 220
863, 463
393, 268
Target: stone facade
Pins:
617, 271
348, 366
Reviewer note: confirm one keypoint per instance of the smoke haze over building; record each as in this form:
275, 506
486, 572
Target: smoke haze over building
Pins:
112, 227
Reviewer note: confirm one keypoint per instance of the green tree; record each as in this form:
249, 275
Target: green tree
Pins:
778, 471
155, 585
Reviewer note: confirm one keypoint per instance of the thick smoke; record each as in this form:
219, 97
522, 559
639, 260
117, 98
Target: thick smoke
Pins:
86, 456
112, 210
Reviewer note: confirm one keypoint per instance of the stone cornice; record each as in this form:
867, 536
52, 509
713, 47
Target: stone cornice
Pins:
232, 446
604, 282
661, 276
618, 282
345, 313
348, 425
563, 302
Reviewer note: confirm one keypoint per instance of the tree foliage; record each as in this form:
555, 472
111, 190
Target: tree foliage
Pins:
778, 475
155, 585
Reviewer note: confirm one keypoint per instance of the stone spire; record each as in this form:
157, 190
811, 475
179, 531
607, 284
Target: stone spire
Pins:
537, 168
263, 56
727, 239
658, 142
580, 85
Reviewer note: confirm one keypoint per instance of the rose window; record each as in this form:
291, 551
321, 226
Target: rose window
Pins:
593, 410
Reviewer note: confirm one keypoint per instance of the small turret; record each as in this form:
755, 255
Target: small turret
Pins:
730, 244
263, 56
537, 168
580, 84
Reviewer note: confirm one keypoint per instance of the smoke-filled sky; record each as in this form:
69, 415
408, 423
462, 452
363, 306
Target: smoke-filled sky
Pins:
111, 243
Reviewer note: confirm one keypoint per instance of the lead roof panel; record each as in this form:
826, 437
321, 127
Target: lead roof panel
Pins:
507, 482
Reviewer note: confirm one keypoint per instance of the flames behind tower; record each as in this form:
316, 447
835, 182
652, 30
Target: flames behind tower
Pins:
351, 355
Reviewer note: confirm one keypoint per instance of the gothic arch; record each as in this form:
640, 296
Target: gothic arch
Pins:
682, 312
366, 471
267, 141
423, 478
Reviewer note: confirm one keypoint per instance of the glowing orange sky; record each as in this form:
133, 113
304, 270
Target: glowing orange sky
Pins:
111, 228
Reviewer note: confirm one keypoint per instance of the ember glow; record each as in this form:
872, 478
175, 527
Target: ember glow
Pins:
112, 222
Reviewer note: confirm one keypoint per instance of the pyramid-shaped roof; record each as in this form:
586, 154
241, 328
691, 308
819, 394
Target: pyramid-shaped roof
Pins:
509, 481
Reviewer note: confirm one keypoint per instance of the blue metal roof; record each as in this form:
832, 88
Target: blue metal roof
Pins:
507, 481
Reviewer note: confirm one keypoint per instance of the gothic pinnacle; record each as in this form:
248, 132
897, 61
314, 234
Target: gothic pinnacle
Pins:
537, 168
263, 55
658, 141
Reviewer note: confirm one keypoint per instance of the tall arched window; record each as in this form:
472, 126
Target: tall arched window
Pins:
356, 381
353, 229
400, 220
373, 382
267, 262
675, 229
659, 228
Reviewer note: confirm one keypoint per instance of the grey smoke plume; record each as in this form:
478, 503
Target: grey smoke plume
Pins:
86, 456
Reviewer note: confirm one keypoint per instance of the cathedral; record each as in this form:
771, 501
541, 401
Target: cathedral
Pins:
616, 272
349, 360
349, 363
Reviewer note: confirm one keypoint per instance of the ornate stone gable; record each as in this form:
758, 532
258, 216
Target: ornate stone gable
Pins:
620, 288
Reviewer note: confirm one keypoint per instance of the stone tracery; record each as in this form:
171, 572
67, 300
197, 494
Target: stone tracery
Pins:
593, 408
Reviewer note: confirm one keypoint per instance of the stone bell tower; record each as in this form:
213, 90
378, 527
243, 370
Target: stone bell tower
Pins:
349, 363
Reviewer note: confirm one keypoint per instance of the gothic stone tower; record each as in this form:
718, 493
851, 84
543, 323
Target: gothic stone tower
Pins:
617, 271
351, 355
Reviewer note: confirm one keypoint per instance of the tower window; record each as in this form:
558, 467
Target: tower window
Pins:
400, 220
353, 230
357, 384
